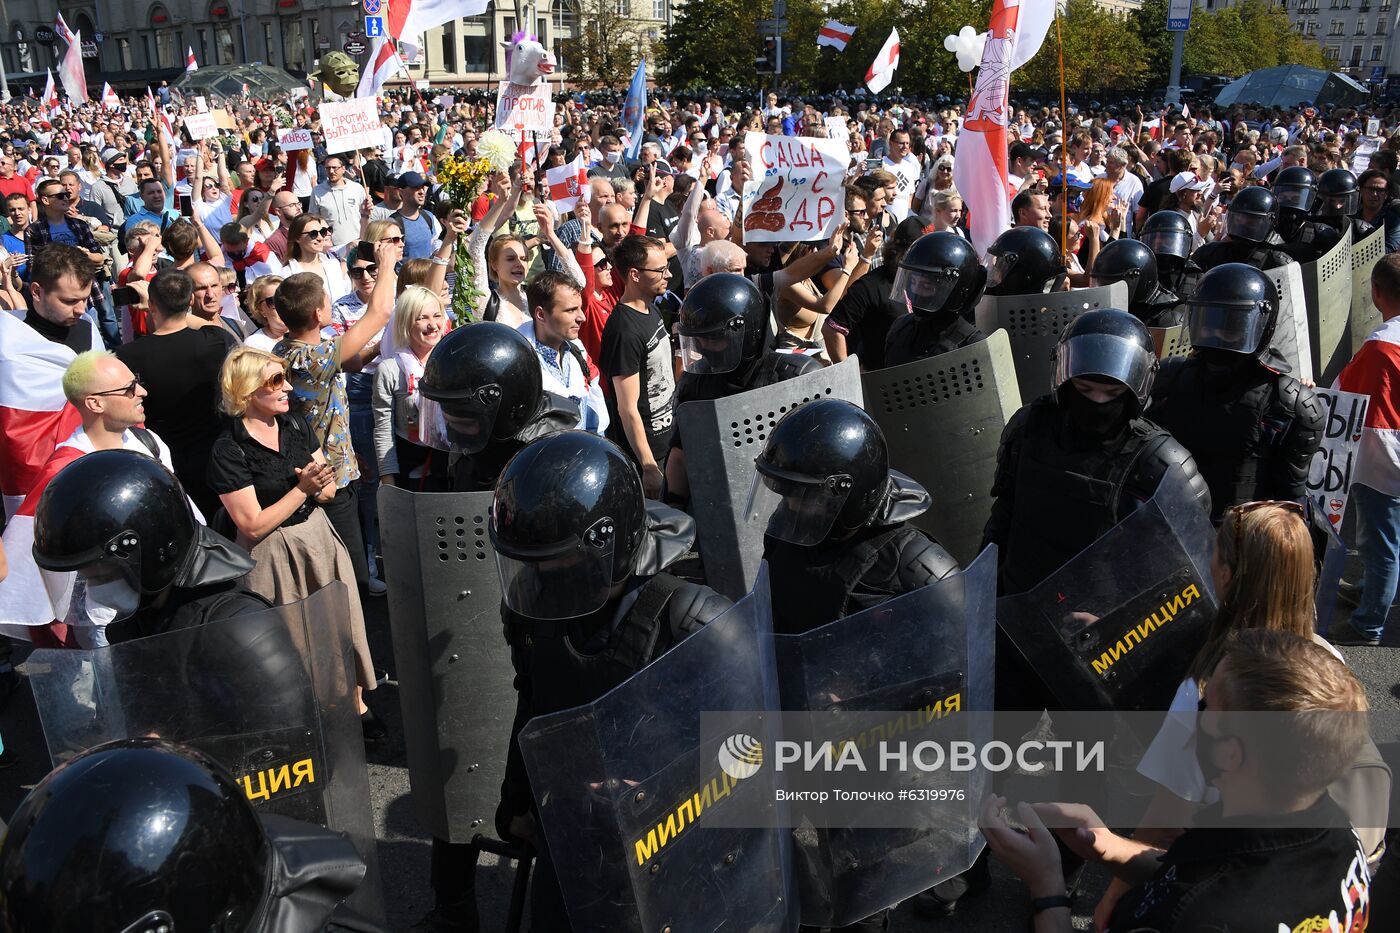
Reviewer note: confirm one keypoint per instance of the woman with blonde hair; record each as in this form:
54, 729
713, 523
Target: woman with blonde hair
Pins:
410, 439
271, 477
946, 208
501, 267
263, 310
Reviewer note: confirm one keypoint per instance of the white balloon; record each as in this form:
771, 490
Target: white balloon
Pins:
967, 45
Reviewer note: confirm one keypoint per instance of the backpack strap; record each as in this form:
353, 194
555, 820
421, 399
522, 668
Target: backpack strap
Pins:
147, 440
634, 643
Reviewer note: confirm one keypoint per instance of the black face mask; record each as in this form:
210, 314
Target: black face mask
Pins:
1218, 359
1097, 421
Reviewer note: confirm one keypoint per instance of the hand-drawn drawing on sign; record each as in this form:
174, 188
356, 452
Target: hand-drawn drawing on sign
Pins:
799, 187
1330, 474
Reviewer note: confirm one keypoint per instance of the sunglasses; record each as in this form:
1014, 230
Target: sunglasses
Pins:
129, 390
231, 288
275, 381
60, 195
359, 271
314, 234
270, 301
391, 239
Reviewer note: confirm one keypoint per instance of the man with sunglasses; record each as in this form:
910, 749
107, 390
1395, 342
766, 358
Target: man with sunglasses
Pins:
57, 224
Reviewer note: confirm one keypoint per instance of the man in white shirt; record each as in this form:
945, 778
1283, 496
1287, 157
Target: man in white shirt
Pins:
556, 314
338, 201
1127, 187
905, 167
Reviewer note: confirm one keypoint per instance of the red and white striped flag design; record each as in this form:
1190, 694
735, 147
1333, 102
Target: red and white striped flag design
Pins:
384, 63
49, 100
568, 185
110, 100
60, 27
190, 63
835, 35
881, 71
70, 72
29, 596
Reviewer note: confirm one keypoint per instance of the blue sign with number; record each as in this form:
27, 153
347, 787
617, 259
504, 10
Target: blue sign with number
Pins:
374, 27
373, 6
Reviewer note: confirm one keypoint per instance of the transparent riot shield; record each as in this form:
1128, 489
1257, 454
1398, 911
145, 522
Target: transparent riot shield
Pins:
929, 650
1363, 317
1171, 341
452, 661
722, 439
1116, 626
627, 787
1034, 324
943, 419
270, 695
1327, 289
1291, 338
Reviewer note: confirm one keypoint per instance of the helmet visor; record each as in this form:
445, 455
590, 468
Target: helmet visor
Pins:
109, 590
924, 290
799, 511
1339, 205
1168, 242
562, 582
471, 418
1239, 328
1252, 227
999, 267
1108, 356
715, 351
1298, 198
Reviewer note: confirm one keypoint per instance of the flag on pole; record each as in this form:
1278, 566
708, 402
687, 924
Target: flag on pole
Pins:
1017, 30
409, 19
49, 100
634, 111
384, 63
190, 63
70, 71
60, 27
110, 100
881, 71
835, 35
568, 185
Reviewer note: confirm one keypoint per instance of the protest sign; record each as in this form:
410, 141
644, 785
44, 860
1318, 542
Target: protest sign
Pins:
201, 104
350, 125
522, 110
799, 194
836, 128
294, 138
1366, 147
223, 119
1330, 474
201, 125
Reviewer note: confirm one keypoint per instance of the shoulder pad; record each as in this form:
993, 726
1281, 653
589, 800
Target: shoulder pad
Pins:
1162, 454
790, 365
1301, 402
693, 605
923, 561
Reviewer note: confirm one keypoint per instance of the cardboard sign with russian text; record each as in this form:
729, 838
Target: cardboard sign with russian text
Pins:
799, 194
294, 138
836, 128
351, 124
522, 111
223, 119
201, 126
1330, 474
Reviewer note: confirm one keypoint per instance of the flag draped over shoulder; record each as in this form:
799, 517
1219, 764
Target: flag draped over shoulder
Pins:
1016, 32
30, 596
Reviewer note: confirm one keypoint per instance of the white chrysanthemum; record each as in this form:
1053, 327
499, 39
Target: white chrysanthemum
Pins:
498, 148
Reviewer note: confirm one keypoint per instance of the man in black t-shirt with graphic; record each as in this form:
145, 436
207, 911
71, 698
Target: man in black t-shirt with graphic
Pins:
638, 361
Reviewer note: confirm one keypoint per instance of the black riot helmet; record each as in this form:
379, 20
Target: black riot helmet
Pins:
568, 520
1252, 215
1107, 344
1168, 235
1234, 308
1295, 190
1024, 261
487, 379
828, 463
139, 835
1337, 194
1127, 261
939, 273
722, 322
122, 519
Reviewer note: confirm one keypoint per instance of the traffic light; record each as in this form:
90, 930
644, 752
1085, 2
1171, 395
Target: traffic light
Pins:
771, 61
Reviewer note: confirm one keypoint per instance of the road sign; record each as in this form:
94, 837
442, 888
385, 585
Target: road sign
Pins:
323, 42
1178, 15
373, 6
355, 47
780, 8
374, 26
772, 27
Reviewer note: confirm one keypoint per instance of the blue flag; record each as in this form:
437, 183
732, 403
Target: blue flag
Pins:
635, 109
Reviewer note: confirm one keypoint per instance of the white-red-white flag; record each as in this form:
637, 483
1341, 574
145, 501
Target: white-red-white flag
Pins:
881, 71
190, 63
61, 28
409, 19
49, 99
1016, 32
384, 63
835, 35
70, 72
568, 185
110, 100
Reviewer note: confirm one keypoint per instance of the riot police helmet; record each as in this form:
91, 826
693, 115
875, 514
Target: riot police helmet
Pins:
1295, 189
138, 835
1128, 261
939, 273
1024, 261
1107, 343
1168, 235
1234, 308
722, 322
1337, 194
122, 521
1251, 215
487, 379
824, 472
568, 519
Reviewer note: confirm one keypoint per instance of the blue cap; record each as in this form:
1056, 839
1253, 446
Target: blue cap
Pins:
411, 180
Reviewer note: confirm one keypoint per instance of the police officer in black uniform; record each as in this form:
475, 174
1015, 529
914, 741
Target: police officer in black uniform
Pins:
726, 348
1295, 193
143, 836
586, 603
1130, 261
1339, 203
1249, 234
940, 279
1251, 427
487, 379
1168, 235
1025, 261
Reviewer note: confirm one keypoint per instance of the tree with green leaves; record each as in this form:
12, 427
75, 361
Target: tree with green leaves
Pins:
605, 48
1242, 38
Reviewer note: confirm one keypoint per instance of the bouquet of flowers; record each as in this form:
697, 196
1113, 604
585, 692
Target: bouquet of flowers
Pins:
462, 180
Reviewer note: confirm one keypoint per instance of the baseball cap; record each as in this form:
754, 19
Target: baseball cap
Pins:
411, 180
265, 165
1187, 181
391, 181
